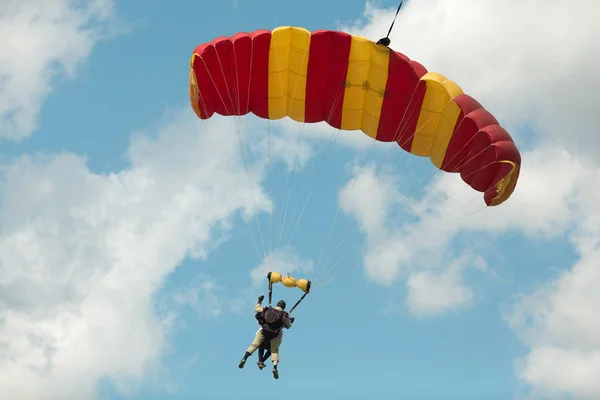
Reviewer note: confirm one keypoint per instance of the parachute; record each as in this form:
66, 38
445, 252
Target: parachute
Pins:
353, 83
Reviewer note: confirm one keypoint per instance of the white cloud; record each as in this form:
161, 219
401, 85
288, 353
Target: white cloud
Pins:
206, 298
40, 40
366, 197
203, 295
434, 292
560, 322
81, 255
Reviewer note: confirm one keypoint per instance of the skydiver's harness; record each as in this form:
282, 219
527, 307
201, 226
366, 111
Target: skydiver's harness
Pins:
271, 321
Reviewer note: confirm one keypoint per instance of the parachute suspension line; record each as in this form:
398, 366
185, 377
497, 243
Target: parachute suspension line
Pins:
205, 125
326, 244
318, 174
367, 153
386, 40
403, 124
240, 140
288, 194
325, 264
319, 169
237, 118
364, 159
335, 252
478, 209
331, 141
427, 180
445, 199
317, 283
437, 159
399, 132
323, 267
374, 141
456, 168
269, 184
401, 128
475, 196
329, 278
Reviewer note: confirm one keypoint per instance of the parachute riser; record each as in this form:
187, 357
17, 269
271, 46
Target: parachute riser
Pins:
288, 281
298, 302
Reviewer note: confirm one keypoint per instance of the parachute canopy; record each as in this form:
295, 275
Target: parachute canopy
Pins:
352, 83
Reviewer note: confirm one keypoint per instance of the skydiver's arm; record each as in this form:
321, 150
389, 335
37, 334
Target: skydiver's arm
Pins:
259, 307
286, 322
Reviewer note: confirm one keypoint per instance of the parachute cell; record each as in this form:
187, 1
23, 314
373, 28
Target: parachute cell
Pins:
352, 83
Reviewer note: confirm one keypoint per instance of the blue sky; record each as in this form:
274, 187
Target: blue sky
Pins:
130, 258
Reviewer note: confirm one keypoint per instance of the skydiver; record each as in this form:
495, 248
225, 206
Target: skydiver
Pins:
272, 320
264, 351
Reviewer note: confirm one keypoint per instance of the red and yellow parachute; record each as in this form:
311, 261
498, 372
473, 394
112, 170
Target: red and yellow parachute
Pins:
353, 83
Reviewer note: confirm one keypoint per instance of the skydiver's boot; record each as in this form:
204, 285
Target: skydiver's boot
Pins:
261, 365
241, 365
275, 372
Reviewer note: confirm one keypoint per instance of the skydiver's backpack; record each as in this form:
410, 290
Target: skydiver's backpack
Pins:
272, 320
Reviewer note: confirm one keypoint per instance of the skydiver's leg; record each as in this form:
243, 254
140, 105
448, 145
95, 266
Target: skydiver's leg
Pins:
275, 342
266, 344
267, 355
265, 347
261, 357
258, 339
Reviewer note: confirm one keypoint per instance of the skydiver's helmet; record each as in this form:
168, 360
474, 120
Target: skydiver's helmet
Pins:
281, 304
